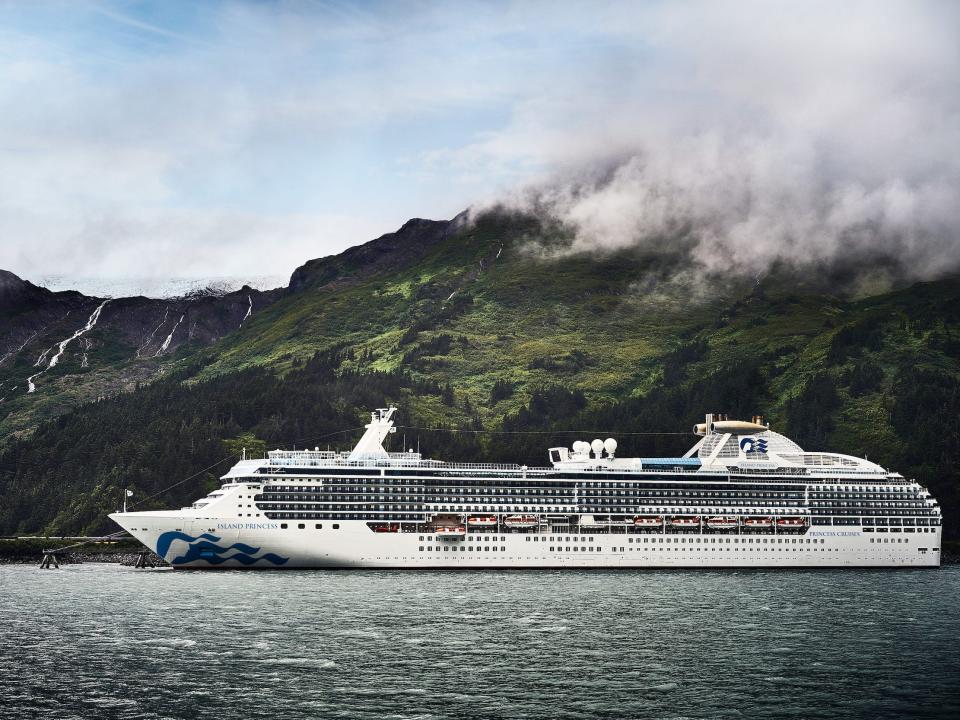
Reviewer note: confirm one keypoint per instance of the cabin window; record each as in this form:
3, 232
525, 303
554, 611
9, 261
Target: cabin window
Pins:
300, 526
336, 526
283, 526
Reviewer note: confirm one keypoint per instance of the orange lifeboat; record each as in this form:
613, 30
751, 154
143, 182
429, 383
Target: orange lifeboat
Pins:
451, 531
482, 521
685, 521
648, 521
722, 522
758, 522
520, 521
791, 522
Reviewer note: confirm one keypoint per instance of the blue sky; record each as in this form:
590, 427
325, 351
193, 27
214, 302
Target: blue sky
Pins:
217, 138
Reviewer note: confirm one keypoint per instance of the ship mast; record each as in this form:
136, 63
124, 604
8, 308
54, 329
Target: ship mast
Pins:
371, 444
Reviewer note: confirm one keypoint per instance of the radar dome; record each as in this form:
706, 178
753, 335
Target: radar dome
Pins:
597, 447
610, 445
579, 446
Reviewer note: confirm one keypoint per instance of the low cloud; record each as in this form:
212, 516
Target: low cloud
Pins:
756, 135
194, 139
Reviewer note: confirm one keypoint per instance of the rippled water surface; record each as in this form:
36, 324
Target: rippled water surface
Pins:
92, 641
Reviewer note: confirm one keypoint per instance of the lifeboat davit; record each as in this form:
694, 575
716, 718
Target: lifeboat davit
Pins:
685, 521
482, 521
758, 522
520, 521
722, 523
791, 522
648, 521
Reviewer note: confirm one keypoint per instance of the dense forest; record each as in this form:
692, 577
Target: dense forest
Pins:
169, 441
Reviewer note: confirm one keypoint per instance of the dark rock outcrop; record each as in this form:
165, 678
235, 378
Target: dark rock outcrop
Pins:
404, 247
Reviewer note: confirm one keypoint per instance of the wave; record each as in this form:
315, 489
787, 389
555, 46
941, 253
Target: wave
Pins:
169, 642
662, 687
375, 634
313, 662
204, 547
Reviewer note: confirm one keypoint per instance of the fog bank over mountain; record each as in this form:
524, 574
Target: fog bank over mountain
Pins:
235, 138
805, 136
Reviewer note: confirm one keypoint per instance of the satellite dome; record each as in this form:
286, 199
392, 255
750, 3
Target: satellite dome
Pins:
597, 447
579, 446
610, 445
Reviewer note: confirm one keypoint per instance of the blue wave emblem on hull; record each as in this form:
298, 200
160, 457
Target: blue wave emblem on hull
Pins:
204, 547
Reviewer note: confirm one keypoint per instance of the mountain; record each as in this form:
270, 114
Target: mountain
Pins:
473, 324
61, 349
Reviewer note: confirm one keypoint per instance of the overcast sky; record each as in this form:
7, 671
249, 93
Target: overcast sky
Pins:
232, 138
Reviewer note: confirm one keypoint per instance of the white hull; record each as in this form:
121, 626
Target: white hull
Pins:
353, 545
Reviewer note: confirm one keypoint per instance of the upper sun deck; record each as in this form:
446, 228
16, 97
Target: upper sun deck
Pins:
405, 460
727, 448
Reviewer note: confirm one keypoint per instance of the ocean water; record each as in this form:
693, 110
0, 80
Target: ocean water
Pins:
105, 641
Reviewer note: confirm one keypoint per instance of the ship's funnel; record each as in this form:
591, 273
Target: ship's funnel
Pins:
737, 427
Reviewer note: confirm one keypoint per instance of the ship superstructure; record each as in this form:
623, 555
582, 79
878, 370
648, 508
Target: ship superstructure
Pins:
742, 496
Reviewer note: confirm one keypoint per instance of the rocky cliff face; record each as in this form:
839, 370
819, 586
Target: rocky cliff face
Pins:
392, 251
34, 320
61, 349
58, 349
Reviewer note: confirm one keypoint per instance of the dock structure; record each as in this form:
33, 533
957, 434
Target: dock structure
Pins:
50, 562
145, 560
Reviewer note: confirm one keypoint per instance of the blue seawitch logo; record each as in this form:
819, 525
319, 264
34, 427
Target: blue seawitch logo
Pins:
205, 548
753, 445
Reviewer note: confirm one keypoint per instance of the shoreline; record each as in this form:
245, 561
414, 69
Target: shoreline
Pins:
30, 551
129, 559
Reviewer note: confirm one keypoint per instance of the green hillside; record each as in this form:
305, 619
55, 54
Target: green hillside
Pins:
485, 326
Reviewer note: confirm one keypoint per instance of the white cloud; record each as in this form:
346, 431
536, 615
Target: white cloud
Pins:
775, 131
802, 133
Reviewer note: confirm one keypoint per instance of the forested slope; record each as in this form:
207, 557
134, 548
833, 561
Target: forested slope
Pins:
491, 326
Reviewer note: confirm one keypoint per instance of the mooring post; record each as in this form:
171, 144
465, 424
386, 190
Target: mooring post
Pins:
49, 559
143, 560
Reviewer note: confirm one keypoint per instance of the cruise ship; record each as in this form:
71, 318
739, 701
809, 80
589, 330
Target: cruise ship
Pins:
742, 496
